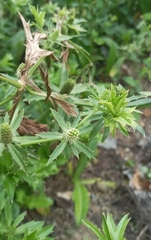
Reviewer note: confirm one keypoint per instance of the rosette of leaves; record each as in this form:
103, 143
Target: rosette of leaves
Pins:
8, 132
69, 137
112, 104
109, 229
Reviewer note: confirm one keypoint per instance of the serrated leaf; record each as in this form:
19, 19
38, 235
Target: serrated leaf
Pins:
17, 157
83, 148
81, 199
59, 149
51, 135
59, 120
17, 121
94, 229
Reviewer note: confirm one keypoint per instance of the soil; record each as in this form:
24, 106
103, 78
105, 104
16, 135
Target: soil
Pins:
119, 162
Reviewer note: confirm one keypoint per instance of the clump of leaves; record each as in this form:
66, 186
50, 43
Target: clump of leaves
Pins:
109, 229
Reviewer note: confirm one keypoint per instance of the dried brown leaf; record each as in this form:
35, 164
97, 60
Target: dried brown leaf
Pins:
30, 127
44, 76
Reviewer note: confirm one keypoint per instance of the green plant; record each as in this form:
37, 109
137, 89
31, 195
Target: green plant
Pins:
11, 227
109, 230
76, 113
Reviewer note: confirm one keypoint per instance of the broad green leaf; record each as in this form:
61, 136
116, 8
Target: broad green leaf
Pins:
59, 120
17, 157
81, 200
59, 149
83, 148
19, 219
94, 229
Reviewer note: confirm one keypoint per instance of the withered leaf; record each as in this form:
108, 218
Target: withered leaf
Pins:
30, 127
44, 76
67, 107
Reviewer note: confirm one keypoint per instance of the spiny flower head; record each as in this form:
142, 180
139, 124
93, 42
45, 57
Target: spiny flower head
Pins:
5, 133
71, 135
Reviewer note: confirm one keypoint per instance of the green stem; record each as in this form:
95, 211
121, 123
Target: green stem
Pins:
12, 82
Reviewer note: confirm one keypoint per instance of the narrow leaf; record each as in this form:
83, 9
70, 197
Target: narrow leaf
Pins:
51, 135
97, 128
19, 219
94, 229
17, 157
83, 148
2, 146
9, 185
17, 121
59, 120
59, 149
